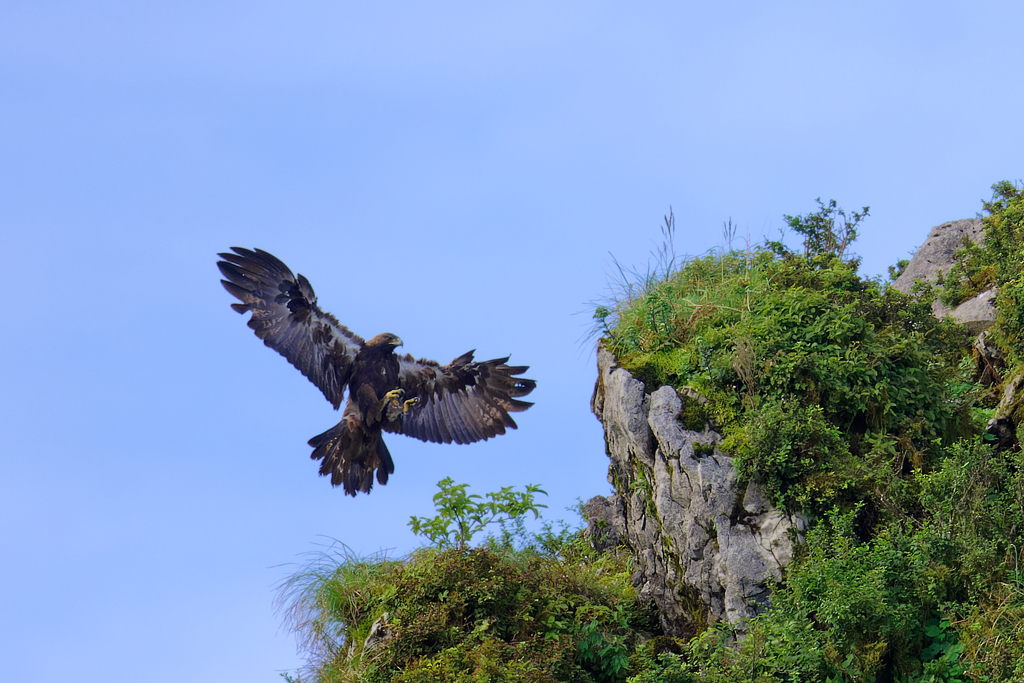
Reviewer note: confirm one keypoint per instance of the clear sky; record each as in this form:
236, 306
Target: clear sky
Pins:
455, 173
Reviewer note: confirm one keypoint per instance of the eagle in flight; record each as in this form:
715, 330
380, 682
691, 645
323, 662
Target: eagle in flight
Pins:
464, 401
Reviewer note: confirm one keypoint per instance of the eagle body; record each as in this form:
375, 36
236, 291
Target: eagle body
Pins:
374, 374
462, 402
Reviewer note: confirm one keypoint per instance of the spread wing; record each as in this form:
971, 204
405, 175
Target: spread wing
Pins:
285, 316
464, 401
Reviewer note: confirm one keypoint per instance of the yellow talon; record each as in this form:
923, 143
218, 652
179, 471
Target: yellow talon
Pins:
410, 404
395, 395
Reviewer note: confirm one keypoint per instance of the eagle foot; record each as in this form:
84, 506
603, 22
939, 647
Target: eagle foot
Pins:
393, 409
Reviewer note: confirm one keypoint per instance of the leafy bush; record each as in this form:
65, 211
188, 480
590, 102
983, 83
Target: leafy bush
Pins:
523, 607
471, 516
992, 633
525, 618
792, 450
826, 232
975, 498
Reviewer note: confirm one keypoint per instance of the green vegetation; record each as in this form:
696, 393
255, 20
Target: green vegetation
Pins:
520, 607
471, 516
810, 369
845, 398
850, 401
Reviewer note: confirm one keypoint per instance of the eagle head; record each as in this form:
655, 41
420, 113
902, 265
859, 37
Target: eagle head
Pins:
385, 340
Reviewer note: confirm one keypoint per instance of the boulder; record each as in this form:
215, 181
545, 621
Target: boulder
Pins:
938, 254
977, 314
606, 522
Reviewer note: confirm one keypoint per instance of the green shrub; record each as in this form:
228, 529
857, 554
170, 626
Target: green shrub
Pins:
664, 667
992, 633
975, 498
470, 513
793, 450
523, 607
826, 232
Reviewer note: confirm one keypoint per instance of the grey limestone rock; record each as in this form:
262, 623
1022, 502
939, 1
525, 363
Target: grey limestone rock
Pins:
705, 547
977, 314
938, 252
1005, 426
379, 634
936, 255
606, 522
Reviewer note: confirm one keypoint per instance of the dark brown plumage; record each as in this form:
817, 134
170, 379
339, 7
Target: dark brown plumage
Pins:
464, 401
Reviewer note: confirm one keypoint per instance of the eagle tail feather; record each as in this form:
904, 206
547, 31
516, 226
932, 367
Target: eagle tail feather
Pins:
351, 453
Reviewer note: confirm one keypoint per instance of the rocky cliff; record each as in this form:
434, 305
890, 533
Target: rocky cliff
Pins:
705, 548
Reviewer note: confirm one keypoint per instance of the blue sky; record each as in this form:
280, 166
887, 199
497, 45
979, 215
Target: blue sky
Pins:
455, 173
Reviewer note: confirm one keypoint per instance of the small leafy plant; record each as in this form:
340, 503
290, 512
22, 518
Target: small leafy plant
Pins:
461, 515
826, 232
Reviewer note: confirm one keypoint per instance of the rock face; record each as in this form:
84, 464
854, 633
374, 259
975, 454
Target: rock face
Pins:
706, 548
937, 254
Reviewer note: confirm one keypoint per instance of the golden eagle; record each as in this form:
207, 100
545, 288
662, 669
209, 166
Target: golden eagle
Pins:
464, 401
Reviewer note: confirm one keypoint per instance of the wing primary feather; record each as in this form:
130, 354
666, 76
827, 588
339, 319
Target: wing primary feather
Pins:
441, 419
285, 316
233, 273
456, 417
466, 415
518, 406
448, 421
